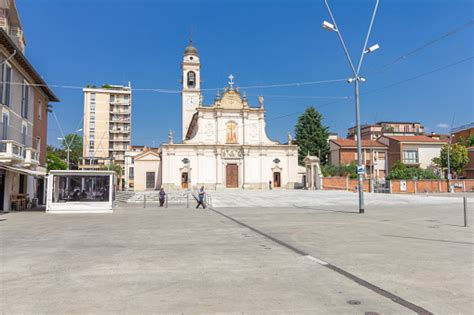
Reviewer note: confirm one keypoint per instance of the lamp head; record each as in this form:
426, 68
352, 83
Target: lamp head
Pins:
328, 26
372, 48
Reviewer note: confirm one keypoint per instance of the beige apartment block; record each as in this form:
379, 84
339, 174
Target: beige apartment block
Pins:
107, 127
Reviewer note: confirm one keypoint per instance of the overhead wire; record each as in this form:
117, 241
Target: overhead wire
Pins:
419, 48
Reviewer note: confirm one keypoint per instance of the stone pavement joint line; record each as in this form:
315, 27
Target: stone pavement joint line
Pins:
413, 307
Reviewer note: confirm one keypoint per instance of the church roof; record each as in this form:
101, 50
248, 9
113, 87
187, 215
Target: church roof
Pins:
191, 50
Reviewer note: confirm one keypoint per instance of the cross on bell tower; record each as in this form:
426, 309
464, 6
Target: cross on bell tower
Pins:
231, 82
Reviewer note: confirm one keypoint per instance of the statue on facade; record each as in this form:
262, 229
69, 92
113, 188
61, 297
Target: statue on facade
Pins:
260, 101
201, 99
290, 138
170, 136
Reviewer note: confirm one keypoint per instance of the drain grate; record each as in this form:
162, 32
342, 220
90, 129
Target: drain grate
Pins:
371, 313
353, 302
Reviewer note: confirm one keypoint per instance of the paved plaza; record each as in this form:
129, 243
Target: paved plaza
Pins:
406, 255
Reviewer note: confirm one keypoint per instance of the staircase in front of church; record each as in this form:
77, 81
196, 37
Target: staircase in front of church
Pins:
183, 198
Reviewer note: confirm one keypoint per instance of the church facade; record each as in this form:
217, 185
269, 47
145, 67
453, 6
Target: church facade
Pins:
224, 144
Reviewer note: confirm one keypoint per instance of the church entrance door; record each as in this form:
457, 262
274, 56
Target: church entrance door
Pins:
232, 176
184, 181
276, 180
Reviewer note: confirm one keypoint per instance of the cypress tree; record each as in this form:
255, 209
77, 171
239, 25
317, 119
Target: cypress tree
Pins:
311, 135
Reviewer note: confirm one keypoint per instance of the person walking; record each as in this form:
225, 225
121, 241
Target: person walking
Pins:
201, 196
162, 196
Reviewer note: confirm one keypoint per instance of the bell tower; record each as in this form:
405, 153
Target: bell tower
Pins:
191, 89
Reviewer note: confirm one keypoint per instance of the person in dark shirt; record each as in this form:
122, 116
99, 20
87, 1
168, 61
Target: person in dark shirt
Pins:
162, 196
201, 196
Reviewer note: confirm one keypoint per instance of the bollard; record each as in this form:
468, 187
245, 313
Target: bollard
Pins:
187, 200
166, 196
144, 201
465, 211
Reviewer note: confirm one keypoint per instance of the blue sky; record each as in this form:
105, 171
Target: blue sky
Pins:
260, 42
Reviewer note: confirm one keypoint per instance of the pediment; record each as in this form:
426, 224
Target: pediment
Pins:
148, 156
231, 99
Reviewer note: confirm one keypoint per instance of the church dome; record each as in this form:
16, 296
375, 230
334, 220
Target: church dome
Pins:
191, 50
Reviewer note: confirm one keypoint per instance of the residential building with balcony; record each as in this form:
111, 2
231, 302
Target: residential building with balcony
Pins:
10, 23
374, 155
24, 97
417, 151
387, 128
107, 127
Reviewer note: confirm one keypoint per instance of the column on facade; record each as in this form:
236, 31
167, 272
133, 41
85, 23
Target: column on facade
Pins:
218, 168
313, 177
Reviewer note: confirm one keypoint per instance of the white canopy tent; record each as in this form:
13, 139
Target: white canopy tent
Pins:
81, 191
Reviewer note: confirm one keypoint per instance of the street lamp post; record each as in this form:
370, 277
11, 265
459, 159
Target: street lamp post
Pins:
333, 27
68, 145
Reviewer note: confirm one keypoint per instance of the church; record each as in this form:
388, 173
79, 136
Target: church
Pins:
224, 144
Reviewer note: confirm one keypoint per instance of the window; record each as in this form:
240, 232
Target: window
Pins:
40, 110
410, 157
23, 134
130, 172
406, 128
25, 91
38, 143
231, 132
5, 126
191, 79
7, 76
112, 98
91, 145
125, 99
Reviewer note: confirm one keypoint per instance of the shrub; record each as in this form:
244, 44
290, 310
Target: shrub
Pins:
401, 171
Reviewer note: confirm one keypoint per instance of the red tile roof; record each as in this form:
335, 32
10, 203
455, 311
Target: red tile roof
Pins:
415, 139
349, 143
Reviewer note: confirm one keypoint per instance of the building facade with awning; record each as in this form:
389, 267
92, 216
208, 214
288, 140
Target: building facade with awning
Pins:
24, 99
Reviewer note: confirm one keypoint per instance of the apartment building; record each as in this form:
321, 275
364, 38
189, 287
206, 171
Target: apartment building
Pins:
10, 23
374, 155
387, 128
107, 127
24, 97
416, 151
461, 134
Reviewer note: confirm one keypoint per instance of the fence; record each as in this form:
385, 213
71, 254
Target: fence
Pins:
401, 186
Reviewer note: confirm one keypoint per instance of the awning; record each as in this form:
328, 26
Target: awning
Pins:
23, 171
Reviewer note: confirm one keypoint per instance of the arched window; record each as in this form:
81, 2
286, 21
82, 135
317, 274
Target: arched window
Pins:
191, 79
231, 132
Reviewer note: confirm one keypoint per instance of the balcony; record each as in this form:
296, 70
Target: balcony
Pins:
119, 140
120, 120
11, 152
120, 112
31, 157
115, 130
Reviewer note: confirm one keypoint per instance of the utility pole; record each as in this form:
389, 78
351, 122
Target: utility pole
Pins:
333, 28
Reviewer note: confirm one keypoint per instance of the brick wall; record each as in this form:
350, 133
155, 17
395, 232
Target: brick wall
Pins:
412, 186
343, 183
432, 186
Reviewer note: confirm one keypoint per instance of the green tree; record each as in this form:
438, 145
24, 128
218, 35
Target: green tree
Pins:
349, 170
53, 162
457, 155
75, 144
311, 135
401, 171
113, 167
468, 142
